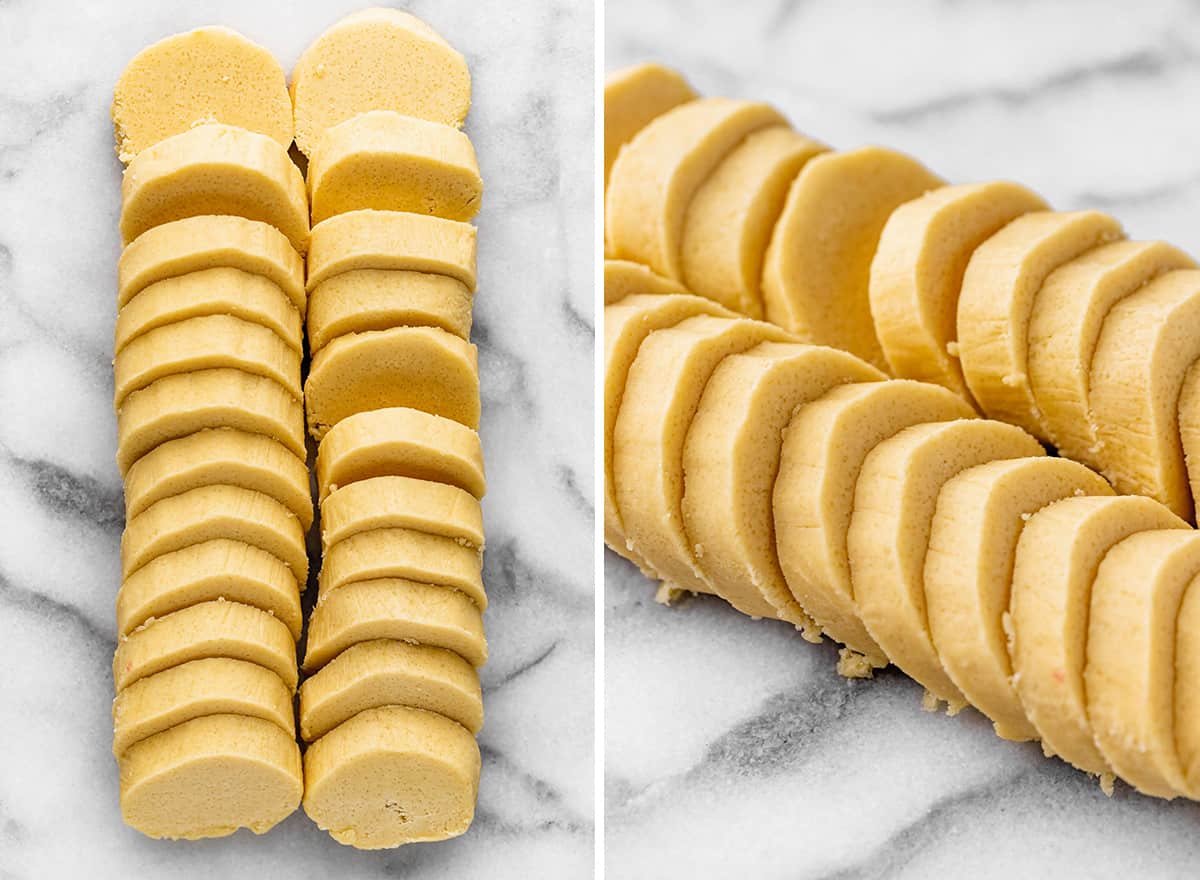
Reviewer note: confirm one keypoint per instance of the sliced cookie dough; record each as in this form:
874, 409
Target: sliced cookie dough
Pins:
632, 98
816, 274
386, 672
624, 278
1189, 426
402, 502
918, 268
1187, 703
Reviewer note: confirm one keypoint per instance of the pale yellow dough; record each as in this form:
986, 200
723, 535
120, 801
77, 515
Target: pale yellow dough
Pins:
817, 267
1189, 426
624, 278
1187, 705
632, 98
402, 502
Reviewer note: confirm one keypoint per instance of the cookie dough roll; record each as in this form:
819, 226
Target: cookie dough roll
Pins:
823, 449
994, 306
657, 173
1147, 343
731, 459
632, 98
403, 442
402, 502
918, 271
817, 267
215, 169
1131, 675
624, 278
895, 498
1058, 556
1064, 327
969, 570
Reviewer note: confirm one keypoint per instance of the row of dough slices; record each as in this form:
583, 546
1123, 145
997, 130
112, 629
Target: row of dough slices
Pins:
798, 483
1048, 320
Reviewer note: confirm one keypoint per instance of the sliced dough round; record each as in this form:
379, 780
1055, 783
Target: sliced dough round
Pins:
729, 220
623, 278
823, 450
406, 554
377, 59
210, 776
419, 367
210, 686
657, 173
1189, 426
1131, 671
210, 343
403, 442
217, 569
391, 776
730, 461
211, 74
1187, 705
220, 291
994, 305
969, 570
816, 273
894, 503
209, 629
386, 672
380, 299
918, 271
220, 455
1147, 343
185, 403
1059, 553
633, 97
402, 502
662, 391
626, 326
1064, 327
215, 169
210, 512
392, 162
398, 609
209, 242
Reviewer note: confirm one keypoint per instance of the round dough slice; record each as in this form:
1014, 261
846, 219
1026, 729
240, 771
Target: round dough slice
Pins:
662, 390
730, 461
380, 299
627, 324
994, 305
419, 367
397, 609
816, 273
386, 672
211, 512
217, 569
1059, 553
405, 503
185, 403
211, 686
391, 776
209, 629
656, 175
210, 776
729, 220
918, 271
209, 343
209, 242
403, 442
377, 59
406, 554
1187, 706
1147, 343
1131, 671
211, 74
391, 162
969, 570
633, 97
1189, 426
220, 455
623, 278
215, 169
894, 503
219, 291
823, 450
1064, 327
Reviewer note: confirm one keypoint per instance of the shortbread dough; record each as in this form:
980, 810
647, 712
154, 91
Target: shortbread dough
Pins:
402, 502
1189, 426
632, 98
624, 278
1187, 707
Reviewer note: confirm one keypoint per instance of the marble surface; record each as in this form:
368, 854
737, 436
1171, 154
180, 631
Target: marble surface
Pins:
732, 745
60, 495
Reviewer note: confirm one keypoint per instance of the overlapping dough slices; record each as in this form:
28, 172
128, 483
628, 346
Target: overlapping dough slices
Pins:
623, 278
633, 97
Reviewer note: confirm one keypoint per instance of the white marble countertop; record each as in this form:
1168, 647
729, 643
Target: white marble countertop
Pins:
732, 747
60, 494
